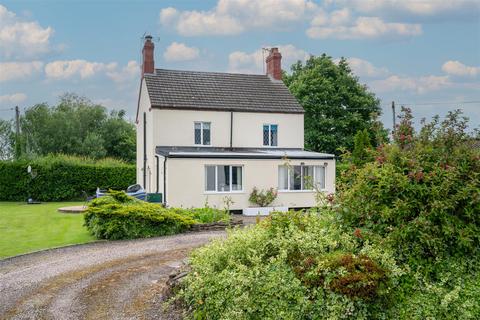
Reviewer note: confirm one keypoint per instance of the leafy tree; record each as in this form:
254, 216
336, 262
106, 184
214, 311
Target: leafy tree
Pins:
336, 104
6, 140
362, 147
79, 127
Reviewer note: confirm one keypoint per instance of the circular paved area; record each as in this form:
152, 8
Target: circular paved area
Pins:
103, 280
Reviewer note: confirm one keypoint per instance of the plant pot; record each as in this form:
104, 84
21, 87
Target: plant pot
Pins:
262, 211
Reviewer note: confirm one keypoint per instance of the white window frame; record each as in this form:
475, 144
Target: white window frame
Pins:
290, 168
270, 134
216, 178
201, 133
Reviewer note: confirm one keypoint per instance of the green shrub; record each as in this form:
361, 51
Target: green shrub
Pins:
421, 194
62, 177
281, 269
119, 216
262, 197
207, 214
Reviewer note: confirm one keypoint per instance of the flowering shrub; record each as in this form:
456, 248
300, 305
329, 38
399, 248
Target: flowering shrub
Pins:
421, 193
263, 197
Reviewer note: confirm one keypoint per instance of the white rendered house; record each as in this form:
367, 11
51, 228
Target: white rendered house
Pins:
207, 137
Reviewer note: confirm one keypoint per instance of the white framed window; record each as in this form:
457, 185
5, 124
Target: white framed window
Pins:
202, 133
270, 135
301, 177
223, 178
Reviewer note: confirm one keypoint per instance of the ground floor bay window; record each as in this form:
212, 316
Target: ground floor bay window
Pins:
303, 177
223, 178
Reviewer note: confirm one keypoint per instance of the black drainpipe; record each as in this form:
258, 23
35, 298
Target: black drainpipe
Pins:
165, 180
231, 129
158, 173
145, 150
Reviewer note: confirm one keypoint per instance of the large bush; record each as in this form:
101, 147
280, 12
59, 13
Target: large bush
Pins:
421, 193
291, 266
61, 177
119, 216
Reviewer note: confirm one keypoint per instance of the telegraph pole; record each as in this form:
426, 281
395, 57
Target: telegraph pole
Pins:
18, 148
393, 116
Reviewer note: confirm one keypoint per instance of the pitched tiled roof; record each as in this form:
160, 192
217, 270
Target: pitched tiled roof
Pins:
177, 89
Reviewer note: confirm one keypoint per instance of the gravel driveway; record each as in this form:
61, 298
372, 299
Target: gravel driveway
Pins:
103, 280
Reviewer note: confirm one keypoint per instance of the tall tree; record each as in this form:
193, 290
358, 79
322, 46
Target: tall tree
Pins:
78, 126
336, 104
6, 140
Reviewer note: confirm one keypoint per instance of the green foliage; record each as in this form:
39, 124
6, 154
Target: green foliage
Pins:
281, 269
421, 193
6, 140
336, 105
62, 177
361, 153
119, 216
77, 126
262, 197
207, 214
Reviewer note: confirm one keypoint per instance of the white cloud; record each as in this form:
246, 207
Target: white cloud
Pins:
457, 68
13, 98
365, 69
19, 70
180, 52
19, 38
411, 9
168, 16
419, 85
126, 74
362, 28
243, 62
66, 69
236, 16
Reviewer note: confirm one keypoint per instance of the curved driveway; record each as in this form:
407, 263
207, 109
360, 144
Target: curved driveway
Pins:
102, 280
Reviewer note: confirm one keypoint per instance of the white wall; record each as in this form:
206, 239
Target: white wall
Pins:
248, 129
144, 106
176, 128
186, 181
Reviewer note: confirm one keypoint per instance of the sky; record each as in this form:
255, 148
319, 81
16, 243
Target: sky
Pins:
424, 54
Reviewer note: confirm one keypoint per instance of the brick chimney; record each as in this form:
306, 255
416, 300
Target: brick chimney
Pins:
274, 64
148, 65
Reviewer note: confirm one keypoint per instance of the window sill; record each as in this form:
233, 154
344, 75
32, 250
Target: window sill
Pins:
224, 192
300, 191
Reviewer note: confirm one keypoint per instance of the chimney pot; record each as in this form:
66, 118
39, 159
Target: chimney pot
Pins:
274, 64
148, 64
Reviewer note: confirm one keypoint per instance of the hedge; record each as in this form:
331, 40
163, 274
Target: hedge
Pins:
62, 177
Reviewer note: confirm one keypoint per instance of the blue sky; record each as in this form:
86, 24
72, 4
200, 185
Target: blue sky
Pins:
422, 53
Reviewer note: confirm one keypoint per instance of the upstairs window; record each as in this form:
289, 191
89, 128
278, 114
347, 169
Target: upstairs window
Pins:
202, 133
301, 178
270, 135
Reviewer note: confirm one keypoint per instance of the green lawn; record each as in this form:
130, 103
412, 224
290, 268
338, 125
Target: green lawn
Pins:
26, 228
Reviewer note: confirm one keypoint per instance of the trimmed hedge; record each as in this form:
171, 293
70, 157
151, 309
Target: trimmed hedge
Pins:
62, 177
